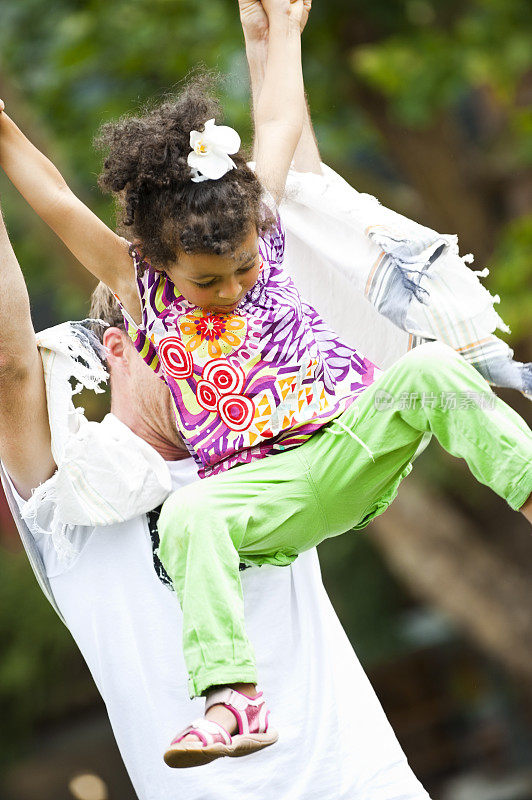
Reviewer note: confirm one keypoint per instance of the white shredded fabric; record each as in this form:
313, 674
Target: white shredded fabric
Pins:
105, 473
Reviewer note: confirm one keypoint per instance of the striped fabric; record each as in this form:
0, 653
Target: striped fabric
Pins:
145, 348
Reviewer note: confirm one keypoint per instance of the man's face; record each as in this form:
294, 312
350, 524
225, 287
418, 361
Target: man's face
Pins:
153, 400
140, 398
215, 283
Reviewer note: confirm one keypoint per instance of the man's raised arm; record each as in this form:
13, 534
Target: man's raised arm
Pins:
255, 27
24, 430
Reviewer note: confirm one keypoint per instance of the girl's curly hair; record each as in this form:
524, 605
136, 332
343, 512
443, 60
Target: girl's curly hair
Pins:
159, 205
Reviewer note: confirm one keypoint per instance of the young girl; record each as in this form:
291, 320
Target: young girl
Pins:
253, 371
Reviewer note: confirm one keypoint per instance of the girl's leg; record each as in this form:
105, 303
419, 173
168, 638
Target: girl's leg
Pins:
260, 506
269, 511
430, 390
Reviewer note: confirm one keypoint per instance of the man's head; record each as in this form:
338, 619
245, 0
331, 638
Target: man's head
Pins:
139, 398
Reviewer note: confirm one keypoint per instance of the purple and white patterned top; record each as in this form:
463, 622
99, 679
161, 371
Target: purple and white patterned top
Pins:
253, 382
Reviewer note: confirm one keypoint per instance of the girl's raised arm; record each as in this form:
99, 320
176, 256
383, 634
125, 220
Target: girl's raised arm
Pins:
96, 246
255, 29
280, 109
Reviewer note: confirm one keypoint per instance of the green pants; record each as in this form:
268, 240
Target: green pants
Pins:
270, 510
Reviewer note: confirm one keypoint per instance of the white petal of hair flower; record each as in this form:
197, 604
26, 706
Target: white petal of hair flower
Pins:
210, 159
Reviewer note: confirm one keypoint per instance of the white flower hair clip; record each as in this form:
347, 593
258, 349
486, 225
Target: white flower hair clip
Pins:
210, 157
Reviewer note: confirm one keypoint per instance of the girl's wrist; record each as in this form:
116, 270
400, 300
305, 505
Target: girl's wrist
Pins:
280, 24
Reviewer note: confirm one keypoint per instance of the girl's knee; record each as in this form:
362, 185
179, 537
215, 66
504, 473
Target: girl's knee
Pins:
183, 522
432, 363
433, 358
433, 353
180, 510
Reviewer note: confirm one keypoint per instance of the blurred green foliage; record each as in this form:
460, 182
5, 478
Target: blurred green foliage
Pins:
41, 674
70, 65
445, 52
511, 265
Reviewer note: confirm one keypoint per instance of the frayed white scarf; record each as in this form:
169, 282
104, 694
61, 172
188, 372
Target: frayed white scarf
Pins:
105, 473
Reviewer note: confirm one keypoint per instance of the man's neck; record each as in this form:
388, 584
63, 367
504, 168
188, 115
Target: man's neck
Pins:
170, 451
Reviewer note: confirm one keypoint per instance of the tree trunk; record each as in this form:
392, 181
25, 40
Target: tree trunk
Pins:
438, 164
443, 559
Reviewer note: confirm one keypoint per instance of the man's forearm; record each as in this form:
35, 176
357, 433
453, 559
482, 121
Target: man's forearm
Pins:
307, 156
281, 100
16, 330
25, 445
256, 53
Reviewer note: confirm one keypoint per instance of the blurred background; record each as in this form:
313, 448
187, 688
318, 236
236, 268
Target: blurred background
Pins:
425, 104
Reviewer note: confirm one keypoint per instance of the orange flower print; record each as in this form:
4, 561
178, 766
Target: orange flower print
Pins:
213, 335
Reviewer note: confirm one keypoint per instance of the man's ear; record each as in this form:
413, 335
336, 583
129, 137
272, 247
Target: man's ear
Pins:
114, 341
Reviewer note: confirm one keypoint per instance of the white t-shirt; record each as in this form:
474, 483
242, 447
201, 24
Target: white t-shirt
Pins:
335, 742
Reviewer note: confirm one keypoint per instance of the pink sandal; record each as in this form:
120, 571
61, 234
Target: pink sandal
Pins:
214, 741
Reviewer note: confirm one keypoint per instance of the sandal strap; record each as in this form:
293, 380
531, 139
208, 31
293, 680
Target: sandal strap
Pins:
250, 713
207, 731
225, 695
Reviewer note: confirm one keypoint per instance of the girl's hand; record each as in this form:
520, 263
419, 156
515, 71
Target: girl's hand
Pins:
292, 9
2, 106
255, 20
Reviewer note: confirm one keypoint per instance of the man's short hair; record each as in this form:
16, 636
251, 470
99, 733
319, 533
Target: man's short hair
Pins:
104, 306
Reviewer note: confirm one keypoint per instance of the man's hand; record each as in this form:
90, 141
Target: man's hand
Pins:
254, 18
287, 8
307, 5
256, 29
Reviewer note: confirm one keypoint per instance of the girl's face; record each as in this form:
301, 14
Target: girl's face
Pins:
215, 283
